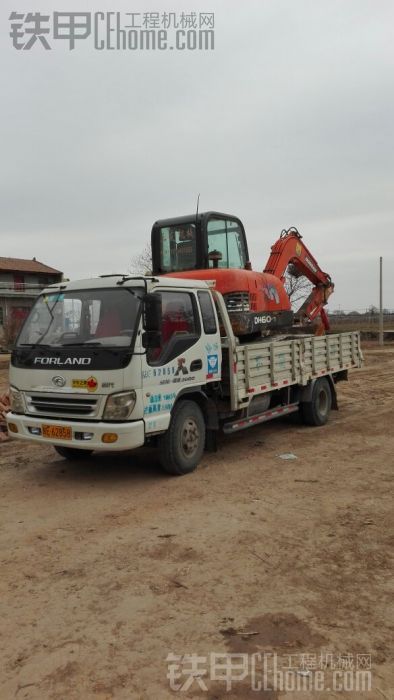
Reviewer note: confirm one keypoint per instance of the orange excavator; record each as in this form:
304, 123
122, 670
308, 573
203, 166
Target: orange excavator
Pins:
212, 246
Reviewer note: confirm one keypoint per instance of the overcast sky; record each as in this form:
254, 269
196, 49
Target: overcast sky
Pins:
287, 122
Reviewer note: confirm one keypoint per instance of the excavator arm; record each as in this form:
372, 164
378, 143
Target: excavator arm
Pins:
289, 250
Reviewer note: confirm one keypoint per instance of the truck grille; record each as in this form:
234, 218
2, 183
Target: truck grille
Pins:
62, 405
237, 301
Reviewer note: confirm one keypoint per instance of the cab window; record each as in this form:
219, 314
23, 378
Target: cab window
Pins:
180, 327
226, 237
207, 313
178, 248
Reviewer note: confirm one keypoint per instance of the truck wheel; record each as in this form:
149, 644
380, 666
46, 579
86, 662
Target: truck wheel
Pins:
182, 446
72, 452
317, 410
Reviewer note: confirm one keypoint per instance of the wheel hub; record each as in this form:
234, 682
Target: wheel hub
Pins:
190, 437
323, 402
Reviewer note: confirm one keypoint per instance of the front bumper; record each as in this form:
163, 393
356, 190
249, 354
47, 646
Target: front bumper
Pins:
130, 435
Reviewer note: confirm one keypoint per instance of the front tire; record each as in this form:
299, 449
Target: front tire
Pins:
182, 446
72, 453
317, 410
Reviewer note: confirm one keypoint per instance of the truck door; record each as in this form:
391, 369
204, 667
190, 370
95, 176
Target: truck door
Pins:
179, 363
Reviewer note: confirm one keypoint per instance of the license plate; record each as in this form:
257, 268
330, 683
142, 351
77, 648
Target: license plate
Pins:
59, 432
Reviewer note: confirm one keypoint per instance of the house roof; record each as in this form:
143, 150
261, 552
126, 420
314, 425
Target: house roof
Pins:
21, 265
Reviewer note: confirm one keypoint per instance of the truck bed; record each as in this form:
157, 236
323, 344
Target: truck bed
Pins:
277, 362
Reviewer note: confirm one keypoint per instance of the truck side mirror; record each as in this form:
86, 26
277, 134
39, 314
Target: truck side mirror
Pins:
151, 340
151, 320
151, 312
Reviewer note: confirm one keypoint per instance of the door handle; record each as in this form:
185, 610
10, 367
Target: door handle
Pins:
195, 365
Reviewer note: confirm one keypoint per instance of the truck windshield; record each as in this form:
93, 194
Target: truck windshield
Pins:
105, 317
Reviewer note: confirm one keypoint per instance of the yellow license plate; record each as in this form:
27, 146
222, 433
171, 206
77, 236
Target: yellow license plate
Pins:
59, 432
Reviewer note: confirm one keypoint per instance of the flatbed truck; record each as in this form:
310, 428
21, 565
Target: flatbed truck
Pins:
118, 362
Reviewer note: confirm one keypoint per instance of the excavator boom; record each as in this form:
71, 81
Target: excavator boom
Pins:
290, 253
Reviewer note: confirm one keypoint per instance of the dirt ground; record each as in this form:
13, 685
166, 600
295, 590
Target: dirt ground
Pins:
108, 565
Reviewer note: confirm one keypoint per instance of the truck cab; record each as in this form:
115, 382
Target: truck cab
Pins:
100, 364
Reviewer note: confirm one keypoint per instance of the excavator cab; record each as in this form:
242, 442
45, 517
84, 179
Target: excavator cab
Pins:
212, 246
207, 241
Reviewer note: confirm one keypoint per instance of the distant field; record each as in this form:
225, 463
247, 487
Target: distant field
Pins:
354, 326
364, 323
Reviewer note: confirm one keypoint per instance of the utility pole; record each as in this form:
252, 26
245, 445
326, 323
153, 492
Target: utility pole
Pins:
381, 301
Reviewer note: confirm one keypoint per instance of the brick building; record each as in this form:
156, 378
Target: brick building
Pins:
20, 283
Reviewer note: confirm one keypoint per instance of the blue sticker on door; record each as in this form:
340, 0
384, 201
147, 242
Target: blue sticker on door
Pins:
213, 364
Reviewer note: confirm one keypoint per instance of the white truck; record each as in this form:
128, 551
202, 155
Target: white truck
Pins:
118, 362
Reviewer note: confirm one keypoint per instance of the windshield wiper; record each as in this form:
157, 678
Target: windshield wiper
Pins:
79, 344
34, 345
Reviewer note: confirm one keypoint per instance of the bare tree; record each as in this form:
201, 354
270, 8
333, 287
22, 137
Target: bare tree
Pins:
141, 264
298, 289
372, 310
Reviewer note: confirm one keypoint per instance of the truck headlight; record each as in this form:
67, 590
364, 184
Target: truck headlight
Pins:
17, 401
119, 406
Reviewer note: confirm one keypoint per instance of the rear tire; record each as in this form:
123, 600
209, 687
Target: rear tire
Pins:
72, 452
317, 410
182, 446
